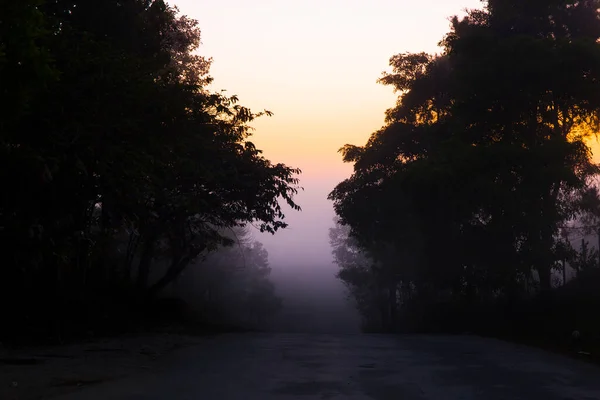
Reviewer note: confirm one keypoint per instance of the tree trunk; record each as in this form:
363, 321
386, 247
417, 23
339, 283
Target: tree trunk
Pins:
598, 246
383, 309
176, 268
383, 313
545, 278
392, 298
130, 254
104, 242
146, 261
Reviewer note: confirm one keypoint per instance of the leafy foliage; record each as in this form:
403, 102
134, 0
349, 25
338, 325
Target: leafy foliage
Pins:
114, 153
461, 197
231, 285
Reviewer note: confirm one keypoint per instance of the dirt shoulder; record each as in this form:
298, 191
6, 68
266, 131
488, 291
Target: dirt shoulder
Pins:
589, 353
44, 372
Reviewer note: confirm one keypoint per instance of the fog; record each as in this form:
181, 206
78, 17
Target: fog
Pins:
314, 299
292, 287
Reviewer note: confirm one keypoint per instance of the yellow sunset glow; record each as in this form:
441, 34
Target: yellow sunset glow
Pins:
315, 64
595, 147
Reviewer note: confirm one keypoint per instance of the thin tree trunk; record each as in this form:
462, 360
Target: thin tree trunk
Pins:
392, 298
598, 247
130, 253
175, 269
545, 278
383, 309
146, 261
104, 241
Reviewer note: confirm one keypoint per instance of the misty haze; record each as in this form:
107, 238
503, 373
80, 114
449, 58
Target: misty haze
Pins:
255, 199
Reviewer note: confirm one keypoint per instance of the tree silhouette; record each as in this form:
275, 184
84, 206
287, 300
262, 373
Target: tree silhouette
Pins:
114, 156
463, 193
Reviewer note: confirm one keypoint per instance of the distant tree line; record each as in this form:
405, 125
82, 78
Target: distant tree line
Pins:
115, 154
458, 213
230, 286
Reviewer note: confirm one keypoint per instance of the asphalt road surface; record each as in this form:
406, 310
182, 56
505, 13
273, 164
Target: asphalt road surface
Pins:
312, 366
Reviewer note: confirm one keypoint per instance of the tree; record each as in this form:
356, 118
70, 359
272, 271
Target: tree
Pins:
365, 284
484, 157
231, 284
124, 156
585, 259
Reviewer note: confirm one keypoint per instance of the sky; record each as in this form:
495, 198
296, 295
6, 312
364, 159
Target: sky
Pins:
314, 64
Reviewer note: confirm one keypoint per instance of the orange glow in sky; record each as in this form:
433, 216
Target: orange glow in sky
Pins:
595, 146
314, 63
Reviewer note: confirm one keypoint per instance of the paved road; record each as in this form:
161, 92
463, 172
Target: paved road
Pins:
270, 366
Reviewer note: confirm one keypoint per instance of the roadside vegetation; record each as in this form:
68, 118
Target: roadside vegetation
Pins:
121, 170
475, 207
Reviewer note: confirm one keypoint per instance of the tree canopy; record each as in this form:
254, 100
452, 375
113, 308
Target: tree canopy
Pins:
114, 152
484, 158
